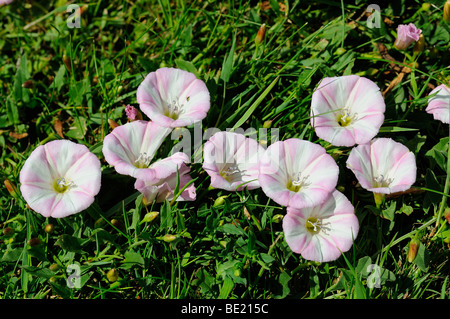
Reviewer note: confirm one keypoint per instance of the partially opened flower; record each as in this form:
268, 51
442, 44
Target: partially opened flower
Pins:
297, 173
439, 104
173, 97
383, 166
407, 34
164, 188
347, 110
323, 232
60, 178
232, 161
131, 147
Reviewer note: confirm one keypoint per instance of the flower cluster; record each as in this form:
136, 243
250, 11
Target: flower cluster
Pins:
62, 178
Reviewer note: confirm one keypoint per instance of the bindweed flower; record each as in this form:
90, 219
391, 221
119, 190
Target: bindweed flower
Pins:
173, 97
232, 161
130, 148
323, 232
60, 178
406, 35
383, 166
132, 113
2, 2
439, 104
347, 110
297, 173
164, 188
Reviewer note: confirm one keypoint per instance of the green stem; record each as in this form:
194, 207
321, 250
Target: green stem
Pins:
446, 186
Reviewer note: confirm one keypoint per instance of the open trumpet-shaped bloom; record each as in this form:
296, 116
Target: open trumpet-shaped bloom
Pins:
323, 232
407, 34
164, 188
297, 173
60, 178
232, 161
347, 110
173, 97
131, 147
439, 104
383, 166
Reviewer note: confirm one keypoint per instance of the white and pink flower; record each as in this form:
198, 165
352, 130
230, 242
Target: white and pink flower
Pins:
383, 166
347, 110
297, 173
323, 232
164, 188
439, 103
232, 161
60, 178
173, 97
130, 149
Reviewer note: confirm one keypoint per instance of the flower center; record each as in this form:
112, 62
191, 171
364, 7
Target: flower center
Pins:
381, 181
143, 160
174, 108
229, 171
298, 182
313, 225
345, 118
62, 185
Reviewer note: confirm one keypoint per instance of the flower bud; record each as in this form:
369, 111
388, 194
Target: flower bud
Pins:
132, 113
49, 228
112, 275
447, 214
446, 14
113, 124
11, 188
277, 218
28, 84
168, 238
33, 242
412, 249
53, 267
149, 217
406, 35
260, 35
220, 200
8, 231
419, 46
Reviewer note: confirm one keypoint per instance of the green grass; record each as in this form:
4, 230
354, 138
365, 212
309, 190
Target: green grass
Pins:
81, 78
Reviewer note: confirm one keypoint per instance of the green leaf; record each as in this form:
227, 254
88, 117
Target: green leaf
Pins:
231, 229
389, 212
12, 255
422, 259
166, 217
59, 79
132, 258
255, 104
69, 243
227, 66
227, 287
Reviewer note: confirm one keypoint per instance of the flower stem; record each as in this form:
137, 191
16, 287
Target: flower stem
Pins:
446, 186
379, 199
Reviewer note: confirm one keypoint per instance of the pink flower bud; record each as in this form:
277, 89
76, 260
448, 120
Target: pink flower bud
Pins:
133, 114
406, 35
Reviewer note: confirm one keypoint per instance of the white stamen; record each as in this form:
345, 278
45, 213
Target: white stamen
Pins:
230, 170
143, 158
62, 182
299, 180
